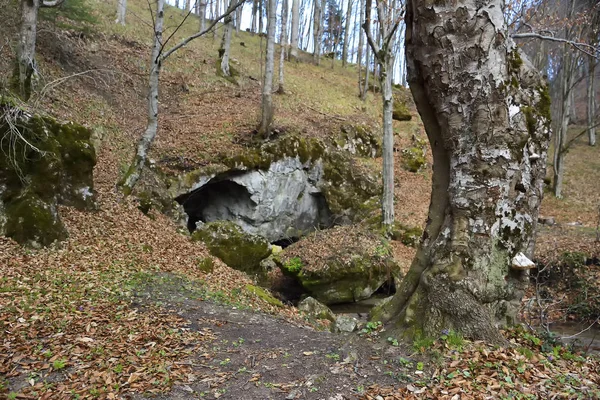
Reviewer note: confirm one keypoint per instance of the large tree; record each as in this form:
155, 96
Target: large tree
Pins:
485, 112
266, 119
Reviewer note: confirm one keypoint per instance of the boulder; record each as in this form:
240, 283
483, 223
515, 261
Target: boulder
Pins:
236, 248
314, 309
344, 264
43, 163
345, 323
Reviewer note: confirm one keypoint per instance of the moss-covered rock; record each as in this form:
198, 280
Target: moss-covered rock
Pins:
344, 264
359, 140
401, 112
264, 295
413, 158
409, 236
233, 246
316, 310
43, 163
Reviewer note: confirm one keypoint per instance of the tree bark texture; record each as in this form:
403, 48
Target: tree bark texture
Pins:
317, 22
361, 45
591, 101
202, 15
562, 121
485, 112
267, 97
295, 30
26, 66
283, 43
346, 33
136, 167
121, 11
226, 44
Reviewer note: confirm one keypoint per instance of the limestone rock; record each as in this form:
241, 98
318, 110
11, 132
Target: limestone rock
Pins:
314, 309
521, 262
236, 248
43, 163
346, 323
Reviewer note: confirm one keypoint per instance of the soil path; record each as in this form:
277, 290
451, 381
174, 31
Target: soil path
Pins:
260, 356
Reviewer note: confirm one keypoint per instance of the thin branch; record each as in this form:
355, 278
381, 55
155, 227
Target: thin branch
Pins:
584, 330
580, 134
185, 41
583, 47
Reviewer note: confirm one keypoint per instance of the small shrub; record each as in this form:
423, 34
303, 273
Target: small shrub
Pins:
294, 265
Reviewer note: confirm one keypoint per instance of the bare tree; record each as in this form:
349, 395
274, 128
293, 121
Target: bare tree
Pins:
26, 65
121, 11
226, 43
264, 129
318, 22
295, 29
591, 101
158, 56
484, 109
283, 43
361, 45
346, 33
389, 15
202, 14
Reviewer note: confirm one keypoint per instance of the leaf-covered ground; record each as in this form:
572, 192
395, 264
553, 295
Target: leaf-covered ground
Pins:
127, 304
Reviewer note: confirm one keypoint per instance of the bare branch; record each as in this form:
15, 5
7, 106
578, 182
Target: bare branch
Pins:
583, 47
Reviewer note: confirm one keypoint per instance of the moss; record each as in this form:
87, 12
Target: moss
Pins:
413, 158
32, 221
233, 246
530, 119
515, 60
401, 112
264, 295
409, 236
545, 103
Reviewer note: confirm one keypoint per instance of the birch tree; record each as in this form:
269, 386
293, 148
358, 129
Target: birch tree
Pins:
346, 33
25, 63
282, 43
266, 119
295, 29
158, 56
389, 14
121, 11
485, 112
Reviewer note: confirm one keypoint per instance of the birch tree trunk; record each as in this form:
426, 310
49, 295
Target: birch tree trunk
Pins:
361, 45
121, 11
226, 44
591, 101
283, 43
136, 167
26, 49
202, 14
485, 112
316, 31
267, 97
295, 30
346, 33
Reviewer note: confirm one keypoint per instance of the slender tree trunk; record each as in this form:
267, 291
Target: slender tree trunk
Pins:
202, 14
283, 43
26, 65
361, 45
121, 11
254, 15
260, 15
387, 202
316, 31
489, 155
367, 70
267, 97
226, 44
295, 30
135, 170
238, 20
591, 101
562, 127
346, 33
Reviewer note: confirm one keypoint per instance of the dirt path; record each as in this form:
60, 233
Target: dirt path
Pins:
259, 356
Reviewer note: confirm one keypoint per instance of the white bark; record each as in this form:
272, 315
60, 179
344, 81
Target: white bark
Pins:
317, 30
226, 44
295, 29
489, 141
562, 126
136, 167
26, 48
361, 45
202, 14
283, 43
267, 96
121, 11
591, 102
346, 33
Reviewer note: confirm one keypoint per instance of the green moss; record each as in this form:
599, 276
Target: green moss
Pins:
545, 103
401, 112
32, 221
409, 236
530, 119
264, 295
233, 246
413, 158
515, 60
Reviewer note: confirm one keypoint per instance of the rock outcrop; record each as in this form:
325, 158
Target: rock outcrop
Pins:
43, 163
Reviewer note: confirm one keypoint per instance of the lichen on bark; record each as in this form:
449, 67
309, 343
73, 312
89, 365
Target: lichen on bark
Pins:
484, 110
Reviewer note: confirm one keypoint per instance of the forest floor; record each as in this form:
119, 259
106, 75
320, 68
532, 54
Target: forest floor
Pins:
122, 309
